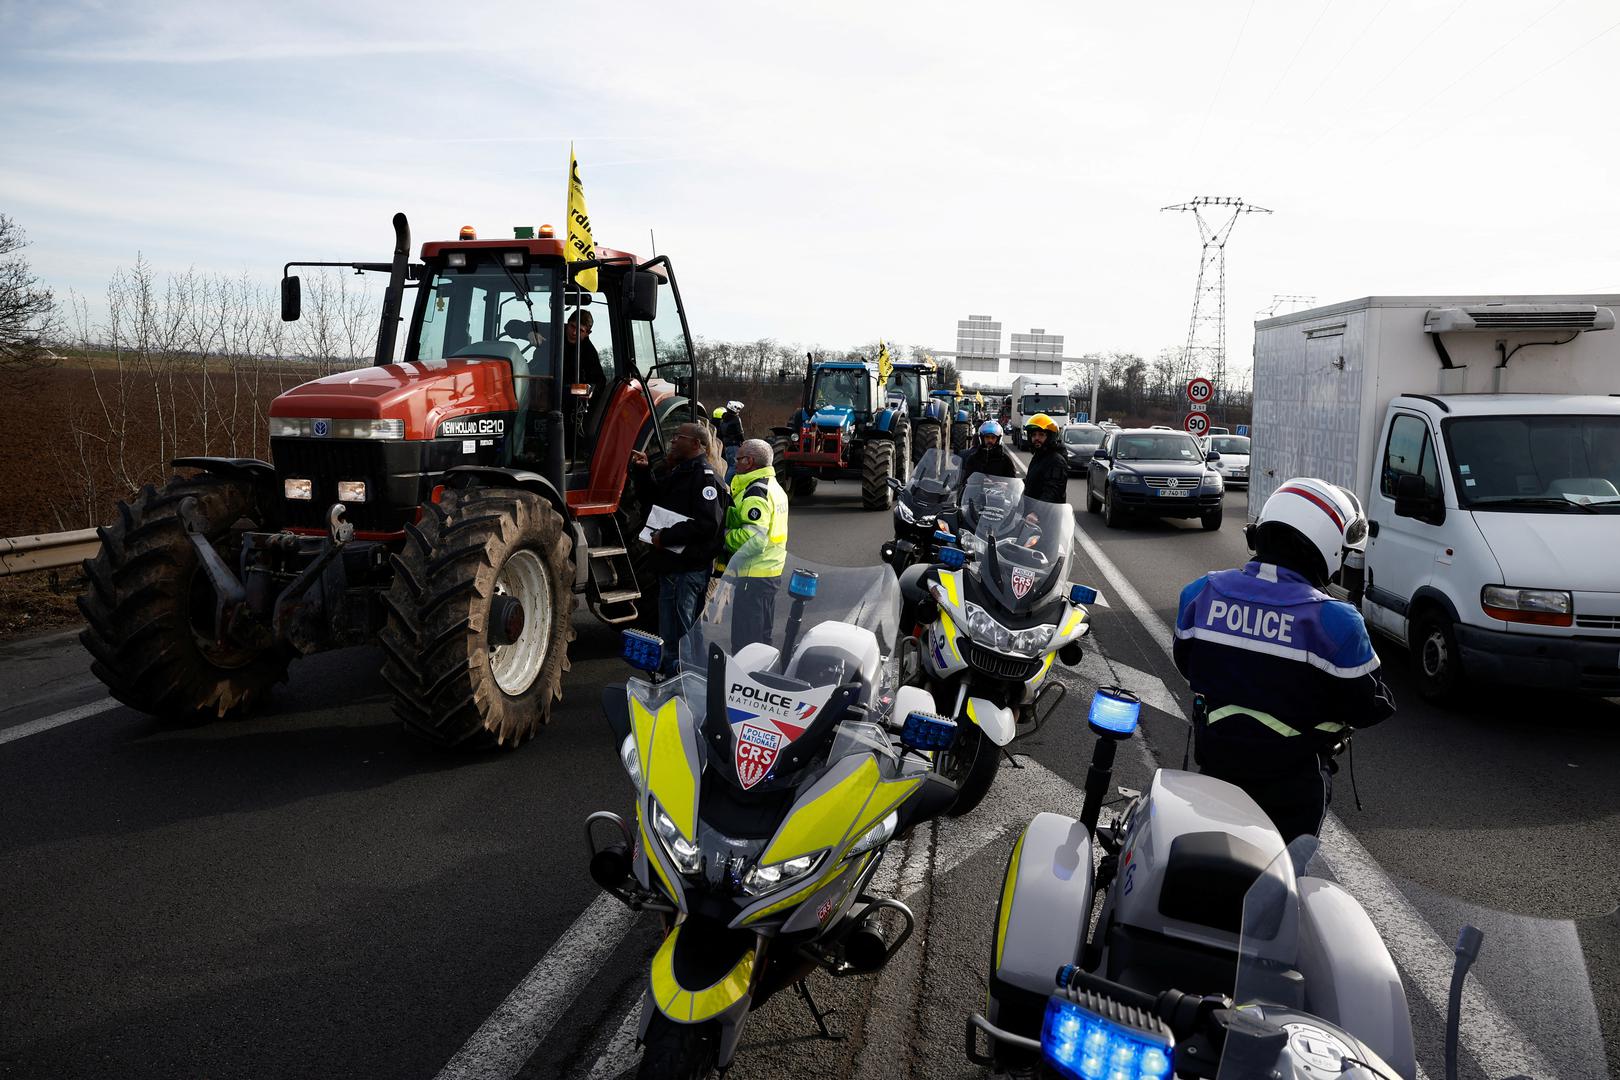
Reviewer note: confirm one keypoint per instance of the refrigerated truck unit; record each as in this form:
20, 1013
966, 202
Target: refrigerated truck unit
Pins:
1507, 408
1031, 395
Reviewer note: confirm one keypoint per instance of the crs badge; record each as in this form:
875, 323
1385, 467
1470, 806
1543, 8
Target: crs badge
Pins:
756, 752
1022, 582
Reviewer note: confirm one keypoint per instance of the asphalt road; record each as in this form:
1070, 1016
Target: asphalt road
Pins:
306, 893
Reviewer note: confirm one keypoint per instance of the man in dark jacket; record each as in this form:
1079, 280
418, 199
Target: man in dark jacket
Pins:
1282, 671
728, 424
989, 457
1048, 476
684, 528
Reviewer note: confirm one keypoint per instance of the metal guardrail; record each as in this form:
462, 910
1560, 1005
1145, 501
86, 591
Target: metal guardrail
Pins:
48, 551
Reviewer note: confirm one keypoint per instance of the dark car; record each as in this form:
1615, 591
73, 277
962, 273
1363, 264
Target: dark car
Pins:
1155, 474
1080, 441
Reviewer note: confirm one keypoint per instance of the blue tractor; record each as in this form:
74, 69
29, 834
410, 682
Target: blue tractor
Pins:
844, 430
928, 417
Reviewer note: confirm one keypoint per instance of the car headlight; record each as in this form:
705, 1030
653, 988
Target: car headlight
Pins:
631, 759
904, 513
684, 853
1541, 607
765, 878
1127, 478
1212, 479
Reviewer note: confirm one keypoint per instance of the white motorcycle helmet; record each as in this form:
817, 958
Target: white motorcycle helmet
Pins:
1326, 517
735, 406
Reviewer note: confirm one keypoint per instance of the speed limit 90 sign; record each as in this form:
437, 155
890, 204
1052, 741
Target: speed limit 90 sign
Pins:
1197, 424
1200, 390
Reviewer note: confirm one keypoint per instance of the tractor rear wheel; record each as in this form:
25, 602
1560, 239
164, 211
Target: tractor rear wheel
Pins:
877, 465
479, 617
961, 435
924, 439
149, 607
902, 453
779, 461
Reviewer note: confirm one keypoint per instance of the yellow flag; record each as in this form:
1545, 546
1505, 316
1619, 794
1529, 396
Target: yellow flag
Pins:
885, 363
959, 386
978, 397
580, 246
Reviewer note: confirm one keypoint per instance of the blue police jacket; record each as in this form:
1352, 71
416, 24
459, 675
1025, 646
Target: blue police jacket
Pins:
1284, 669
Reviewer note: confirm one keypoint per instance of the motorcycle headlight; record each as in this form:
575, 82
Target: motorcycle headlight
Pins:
877, 835
631, 760
904, 513
985, 629
684, 853
769, 877
1034, 640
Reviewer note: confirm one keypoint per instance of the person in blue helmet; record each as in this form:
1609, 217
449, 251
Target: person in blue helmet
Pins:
989, 456
1282, 673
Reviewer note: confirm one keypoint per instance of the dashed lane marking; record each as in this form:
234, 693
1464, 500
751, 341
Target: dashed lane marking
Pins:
56, 720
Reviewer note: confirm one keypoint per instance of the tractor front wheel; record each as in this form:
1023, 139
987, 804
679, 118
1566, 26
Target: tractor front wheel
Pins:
149, 607
924, 437
479, 617
961, 435
877, 465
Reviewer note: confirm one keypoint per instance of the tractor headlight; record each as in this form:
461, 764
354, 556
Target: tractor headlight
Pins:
368, 429
903, 512
298, 489
686, 855
282, 427
351, 491
762, 879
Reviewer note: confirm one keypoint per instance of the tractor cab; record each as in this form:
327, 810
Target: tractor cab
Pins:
846, 389
910, 381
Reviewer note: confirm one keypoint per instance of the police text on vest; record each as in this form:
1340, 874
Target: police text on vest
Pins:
1253, 622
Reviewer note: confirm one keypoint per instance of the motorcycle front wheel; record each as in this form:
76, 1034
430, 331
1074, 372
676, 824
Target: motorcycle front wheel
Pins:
971, 764
679, 1051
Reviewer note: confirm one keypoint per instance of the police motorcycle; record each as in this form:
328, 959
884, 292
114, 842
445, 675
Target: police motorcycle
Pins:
769, 778
921, 508
1201, 895
988, 621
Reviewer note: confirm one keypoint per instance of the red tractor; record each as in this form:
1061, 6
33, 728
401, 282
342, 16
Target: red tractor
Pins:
449, 506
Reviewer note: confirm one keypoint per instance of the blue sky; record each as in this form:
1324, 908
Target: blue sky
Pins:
837, 173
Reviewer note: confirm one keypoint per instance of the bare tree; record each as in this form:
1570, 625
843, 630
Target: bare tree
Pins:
28, 318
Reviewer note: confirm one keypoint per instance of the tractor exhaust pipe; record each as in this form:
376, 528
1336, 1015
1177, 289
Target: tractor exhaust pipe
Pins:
394, 297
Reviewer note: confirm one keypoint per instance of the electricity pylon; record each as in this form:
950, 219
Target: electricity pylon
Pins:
1294, 303
1206, 332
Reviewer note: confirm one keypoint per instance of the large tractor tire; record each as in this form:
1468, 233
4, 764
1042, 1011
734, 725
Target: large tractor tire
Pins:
902, 453
961, 435
877, 465
149, 607
784, 472
924, 437
472, 555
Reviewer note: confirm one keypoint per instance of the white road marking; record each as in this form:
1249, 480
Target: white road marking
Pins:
1494, 1040
1149, 687
499, 1048
620, 1054
56, 720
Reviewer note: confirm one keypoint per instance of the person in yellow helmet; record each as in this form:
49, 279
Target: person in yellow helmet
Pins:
755, 543
1048, 477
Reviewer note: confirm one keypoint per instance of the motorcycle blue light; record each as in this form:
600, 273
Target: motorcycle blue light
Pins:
1082, 594
803, 584
643, 651
952, 558
1084, 1045
944, 537
927, 731
1114, 711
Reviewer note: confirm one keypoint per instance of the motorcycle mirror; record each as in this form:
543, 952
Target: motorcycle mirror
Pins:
897, 485
643, 651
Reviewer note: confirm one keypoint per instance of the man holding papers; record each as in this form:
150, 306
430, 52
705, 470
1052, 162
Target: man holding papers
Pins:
684, 528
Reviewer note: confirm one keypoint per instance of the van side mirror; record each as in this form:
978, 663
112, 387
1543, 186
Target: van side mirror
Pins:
292, 299
1412, 500
641, 295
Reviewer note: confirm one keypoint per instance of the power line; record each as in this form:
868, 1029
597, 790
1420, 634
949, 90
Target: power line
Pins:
1292, 59
1219, 86
1482, 62
1506, 93
1345, 55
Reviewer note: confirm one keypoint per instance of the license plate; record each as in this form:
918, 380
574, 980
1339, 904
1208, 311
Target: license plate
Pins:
1174, 493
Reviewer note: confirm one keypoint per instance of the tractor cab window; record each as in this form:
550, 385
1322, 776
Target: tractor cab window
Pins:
842, 386
485, 309
909, 385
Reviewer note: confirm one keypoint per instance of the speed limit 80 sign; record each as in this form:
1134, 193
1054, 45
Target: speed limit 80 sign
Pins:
1197, 424
1200, 390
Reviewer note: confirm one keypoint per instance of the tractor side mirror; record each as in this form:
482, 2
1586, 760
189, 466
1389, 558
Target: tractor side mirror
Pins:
641, 295
292, 299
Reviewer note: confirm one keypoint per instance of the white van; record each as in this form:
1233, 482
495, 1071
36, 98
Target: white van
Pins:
1482, 434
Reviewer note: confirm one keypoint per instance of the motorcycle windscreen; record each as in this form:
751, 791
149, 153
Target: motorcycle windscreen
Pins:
1021, 547
936, 475
784, 658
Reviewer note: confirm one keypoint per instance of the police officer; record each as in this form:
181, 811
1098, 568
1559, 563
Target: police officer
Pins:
755, 543
1048, 476
728, 425
1282, 672
989, 456
683, 551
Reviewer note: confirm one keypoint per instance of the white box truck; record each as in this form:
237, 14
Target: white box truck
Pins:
1482, 435
1033, 394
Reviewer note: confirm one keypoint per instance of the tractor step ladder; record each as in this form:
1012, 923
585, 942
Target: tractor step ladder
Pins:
612, 590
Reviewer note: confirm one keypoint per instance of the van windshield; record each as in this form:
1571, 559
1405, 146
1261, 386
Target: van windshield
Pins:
1530, 463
